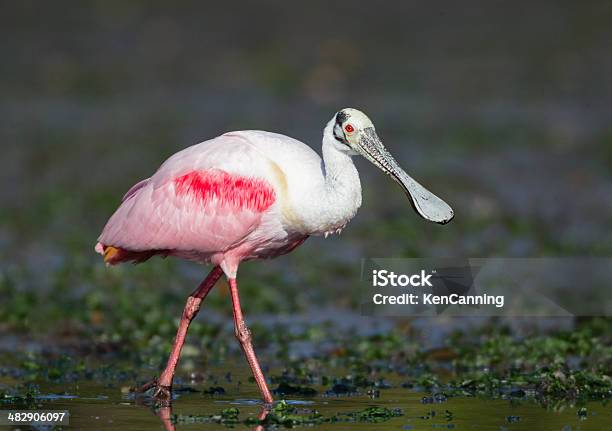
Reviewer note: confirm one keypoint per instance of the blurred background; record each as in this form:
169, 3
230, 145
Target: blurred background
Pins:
502, 109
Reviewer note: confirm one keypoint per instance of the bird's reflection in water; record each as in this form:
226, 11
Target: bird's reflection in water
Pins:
165, 415
262, 415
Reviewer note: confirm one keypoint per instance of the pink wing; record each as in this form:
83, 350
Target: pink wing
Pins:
196, 202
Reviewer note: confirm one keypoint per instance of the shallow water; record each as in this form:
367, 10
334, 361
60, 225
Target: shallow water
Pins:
95, 405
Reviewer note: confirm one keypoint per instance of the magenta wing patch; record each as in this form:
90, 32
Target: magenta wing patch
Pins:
226, 190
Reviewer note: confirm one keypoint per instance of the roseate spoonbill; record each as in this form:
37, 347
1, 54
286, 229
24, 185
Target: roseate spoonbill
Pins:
249, 195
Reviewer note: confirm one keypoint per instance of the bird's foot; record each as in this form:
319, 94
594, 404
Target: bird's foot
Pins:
161, 394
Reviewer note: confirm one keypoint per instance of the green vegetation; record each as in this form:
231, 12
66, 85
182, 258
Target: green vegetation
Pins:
287, 416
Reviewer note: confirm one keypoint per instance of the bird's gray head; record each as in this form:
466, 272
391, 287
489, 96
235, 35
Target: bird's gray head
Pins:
356, 132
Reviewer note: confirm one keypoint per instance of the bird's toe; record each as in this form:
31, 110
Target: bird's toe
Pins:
162, 394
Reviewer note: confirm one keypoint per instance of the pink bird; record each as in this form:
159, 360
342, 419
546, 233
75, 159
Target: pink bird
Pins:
249, 195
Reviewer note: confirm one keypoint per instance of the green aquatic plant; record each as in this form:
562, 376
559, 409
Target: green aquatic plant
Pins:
227, 417
25, 396
376, 414
285, 415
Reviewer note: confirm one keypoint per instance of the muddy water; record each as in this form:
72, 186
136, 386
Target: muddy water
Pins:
94, 405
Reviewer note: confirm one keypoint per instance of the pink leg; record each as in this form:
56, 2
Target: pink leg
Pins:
164, 383
243, 334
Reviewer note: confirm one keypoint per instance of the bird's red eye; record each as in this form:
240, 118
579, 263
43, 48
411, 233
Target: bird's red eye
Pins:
349, 128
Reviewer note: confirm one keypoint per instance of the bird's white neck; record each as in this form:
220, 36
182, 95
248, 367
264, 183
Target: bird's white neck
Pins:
338, 195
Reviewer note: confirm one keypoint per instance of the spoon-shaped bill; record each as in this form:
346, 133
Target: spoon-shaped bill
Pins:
426, 204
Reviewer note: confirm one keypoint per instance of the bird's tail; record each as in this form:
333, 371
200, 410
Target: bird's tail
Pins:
115, 255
